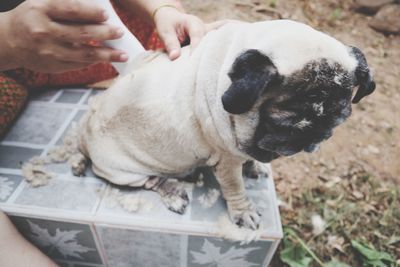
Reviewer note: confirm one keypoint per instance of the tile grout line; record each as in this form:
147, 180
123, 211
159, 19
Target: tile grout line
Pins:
16, 192
56, 96
66, 123
85, 97
97, 206
61, 130
58, 105
11, 171
22, 144
99, 243
69, 177
59, 133
275, 206
77, 89
270, 253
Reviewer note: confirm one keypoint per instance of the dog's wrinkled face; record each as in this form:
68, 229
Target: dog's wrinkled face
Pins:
296, 112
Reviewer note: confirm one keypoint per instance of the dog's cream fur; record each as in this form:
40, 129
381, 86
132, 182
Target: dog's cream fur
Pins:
166, 117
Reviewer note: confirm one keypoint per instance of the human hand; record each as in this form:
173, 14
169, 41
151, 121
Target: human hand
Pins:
175, 27
52, 35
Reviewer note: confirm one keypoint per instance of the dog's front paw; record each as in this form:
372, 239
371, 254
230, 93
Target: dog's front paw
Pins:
248, 218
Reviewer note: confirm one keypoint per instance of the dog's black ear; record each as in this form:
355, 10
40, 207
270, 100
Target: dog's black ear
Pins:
364, 80
251, 74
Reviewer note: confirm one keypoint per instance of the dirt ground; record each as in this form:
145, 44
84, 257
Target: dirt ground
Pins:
370, 138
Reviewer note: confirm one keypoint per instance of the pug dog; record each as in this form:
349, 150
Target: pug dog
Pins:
248, 94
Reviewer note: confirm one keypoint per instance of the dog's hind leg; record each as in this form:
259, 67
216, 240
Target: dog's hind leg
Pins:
78, 163
172, 193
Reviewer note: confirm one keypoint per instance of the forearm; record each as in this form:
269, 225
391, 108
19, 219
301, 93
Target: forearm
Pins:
7, 60
146, 8
16, 251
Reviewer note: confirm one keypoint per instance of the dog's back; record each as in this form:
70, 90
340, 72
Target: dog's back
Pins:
145, 124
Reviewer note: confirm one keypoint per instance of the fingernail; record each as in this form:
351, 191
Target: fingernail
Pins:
119, 32
123, 57
104, 15
173, 54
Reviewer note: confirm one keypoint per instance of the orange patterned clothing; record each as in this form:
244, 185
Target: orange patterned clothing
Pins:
15, 83
13, 97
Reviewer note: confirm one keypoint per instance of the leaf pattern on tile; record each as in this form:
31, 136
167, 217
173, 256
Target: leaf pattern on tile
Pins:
212, 256
6, 187
63, 241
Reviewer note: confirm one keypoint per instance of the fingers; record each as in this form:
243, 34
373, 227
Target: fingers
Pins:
84, 33
171, 42
76, 11
175, 27
196, 31
62, 57
173, 37
89, 54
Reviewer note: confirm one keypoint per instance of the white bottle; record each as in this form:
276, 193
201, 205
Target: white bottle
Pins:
127, 43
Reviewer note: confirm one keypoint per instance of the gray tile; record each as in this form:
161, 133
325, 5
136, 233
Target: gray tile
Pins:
8, 184
256, 184
60, 240
209, 251
75, 120
94, 93
64, 264
44, 95
59, 168
138, 248
74, 264
81, 195
13, 157
38, 124
263, 201
70, 96
201, 213
83, 265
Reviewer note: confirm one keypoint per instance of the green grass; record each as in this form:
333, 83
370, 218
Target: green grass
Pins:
361, 211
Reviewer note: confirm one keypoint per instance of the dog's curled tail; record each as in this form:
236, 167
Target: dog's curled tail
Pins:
34, 170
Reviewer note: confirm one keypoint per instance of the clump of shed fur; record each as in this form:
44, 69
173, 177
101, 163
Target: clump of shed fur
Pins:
34, 170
